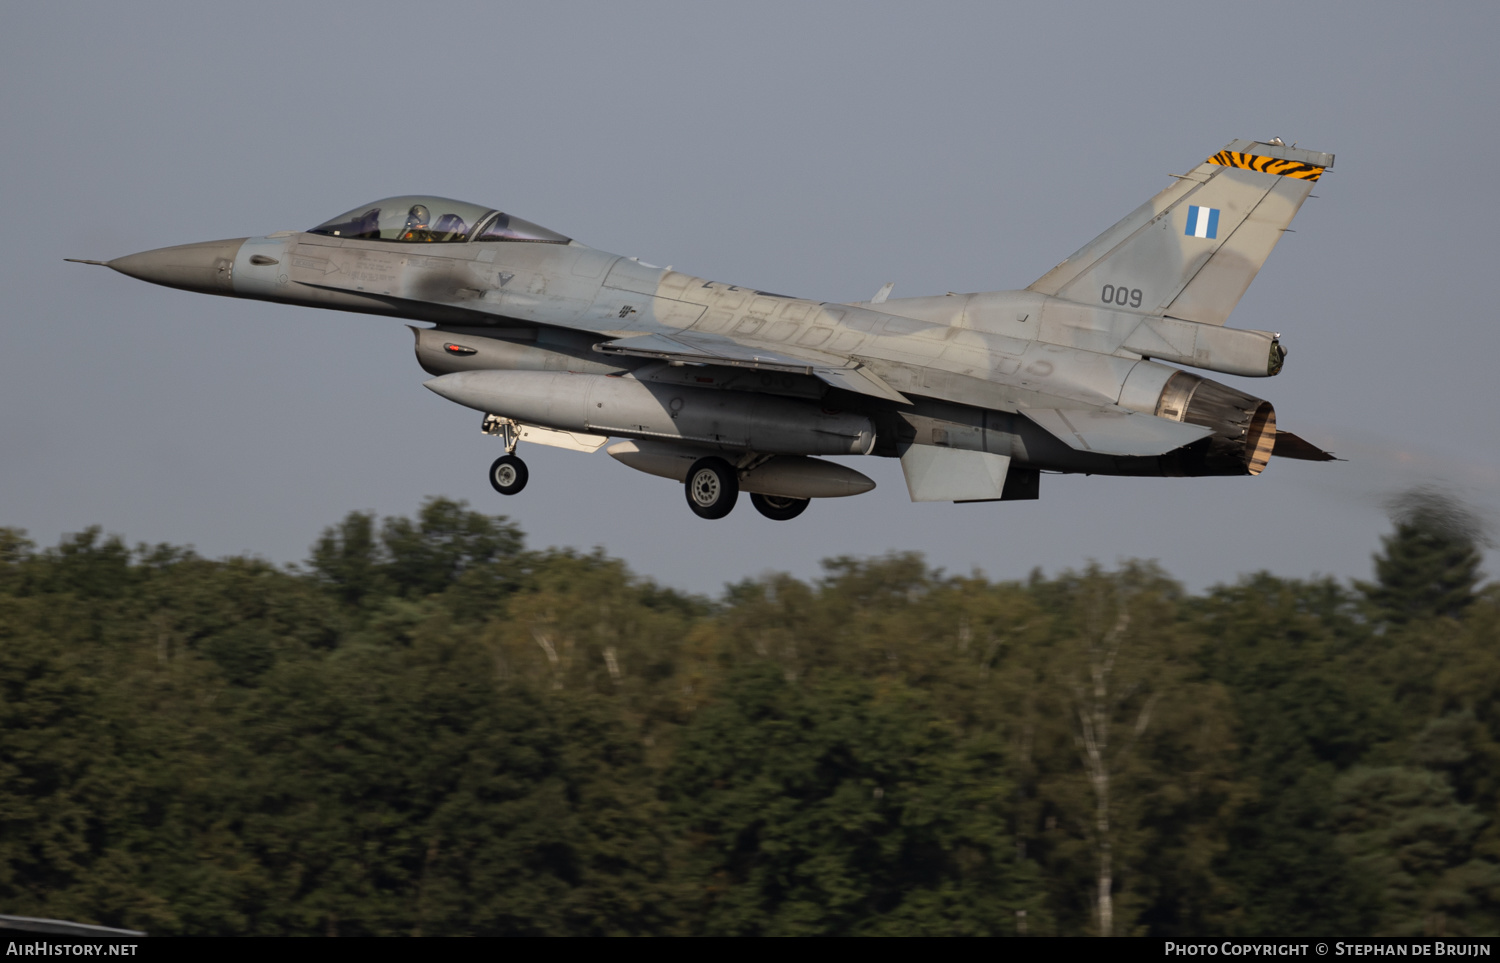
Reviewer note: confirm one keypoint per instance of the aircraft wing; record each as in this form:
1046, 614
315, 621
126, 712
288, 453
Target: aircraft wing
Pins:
1114, 430
710, 349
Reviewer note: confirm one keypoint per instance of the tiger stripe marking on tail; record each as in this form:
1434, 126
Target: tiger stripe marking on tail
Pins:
1269, 165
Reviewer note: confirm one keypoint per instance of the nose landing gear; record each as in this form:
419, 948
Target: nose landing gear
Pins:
508, 474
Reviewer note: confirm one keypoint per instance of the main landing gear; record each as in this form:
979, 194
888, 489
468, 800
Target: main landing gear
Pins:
508, 474
778, 508
712, 486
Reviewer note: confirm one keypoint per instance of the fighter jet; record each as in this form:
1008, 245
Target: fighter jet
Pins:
723, 388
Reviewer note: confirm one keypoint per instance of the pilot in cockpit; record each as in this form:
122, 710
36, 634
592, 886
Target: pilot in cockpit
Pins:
417, 221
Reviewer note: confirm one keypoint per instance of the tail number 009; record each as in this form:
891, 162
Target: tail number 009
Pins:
1123, 296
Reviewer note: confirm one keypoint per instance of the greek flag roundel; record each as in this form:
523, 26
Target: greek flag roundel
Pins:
1202, 222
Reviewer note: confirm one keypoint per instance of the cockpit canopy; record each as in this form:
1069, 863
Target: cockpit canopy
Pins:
418, 219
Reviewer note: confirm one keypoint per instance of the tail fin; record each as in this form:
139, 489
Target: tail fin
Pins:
1192, 250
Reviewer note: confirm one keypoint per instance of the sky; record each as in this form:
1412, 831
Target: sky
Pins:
819, 149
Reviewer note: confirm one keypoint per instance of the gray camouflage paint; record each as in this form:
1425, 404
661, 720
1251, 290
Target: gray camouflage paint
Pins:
1048, 378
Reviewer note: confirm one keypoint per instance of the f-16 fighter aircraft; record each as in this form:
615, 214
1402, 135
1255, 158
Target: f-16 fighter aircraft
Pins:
725, 389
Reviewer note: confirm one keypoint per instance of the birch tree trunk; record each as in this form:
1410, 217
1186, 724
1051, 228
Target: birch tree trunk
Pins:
1092, 707
1095, 705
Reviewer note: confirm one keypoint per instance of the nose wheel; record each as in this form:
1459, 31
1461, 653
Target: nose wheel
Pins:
508, 474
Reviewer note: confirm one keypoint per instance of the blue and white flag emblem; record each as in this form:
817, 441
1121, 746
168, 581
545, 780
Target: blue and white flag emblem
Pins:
1202, 222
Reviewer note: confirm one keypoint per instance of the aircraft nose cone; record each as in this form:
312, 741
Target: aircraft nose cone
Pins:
207, 267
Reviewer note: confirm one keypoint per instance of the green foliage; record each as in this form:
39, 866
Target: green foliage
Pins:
1410, 837
394, 790
1430, 565
447, 548
840, 807
349, 558
431, 730
1283, 865
1292, 656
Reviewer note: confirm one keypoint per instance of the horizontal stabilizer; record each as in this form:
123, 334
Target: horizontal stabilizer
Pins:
1289, 445
722, 351
1116, 431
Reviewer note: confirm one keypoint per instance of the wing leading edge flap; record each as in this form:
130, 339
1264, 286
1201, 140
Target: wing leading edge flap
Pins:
732, 353
1115, 430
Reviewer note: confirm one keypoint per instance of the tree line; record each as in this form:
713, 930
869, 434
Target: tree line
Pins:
428, 728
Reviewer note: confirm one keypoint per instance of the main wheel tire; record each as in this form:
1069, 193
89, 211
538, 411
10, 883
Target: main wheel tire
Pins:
712, 487
779, 508
508, 474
